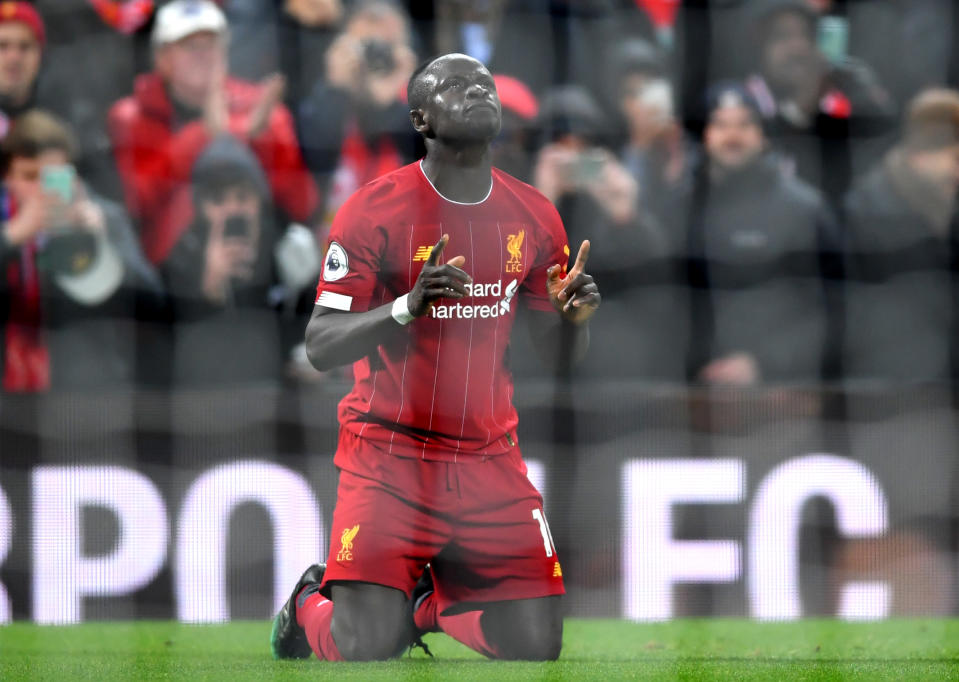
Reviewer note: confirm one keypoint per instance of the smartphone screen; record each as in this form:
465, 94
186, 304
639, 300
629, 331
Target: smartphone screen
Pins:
59, 180
832, 37
589, 165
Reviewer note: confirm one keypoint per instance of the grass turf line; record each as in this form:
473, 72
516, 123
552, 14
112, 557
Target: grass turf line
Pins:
604, 650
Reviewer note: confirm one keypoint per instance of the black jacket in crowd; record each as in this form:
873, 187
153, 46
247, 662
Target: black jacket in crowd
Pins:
901, 286
756, 245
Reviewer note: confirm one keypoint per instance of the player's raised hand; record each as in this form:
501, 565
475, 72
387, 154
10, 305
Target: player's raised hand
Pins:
576, 295
436, 280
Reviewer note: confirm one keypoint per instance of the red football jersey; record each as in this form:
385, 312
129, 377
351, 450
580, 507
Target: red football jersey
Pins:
439, 387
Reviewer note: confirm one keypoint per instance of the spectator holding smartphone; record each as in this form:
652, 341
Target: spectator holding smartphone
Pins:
656, 150
227, 274
820, 107
598, 199
74, 276
574, 163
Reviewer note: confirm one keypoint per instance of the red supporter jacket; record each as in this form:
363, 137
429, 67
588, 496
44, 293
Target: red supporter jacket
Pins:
155, 161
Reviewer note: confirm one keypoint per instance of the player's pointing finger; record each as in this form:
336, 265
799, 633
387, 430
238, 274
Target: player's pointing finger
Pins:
581, 258
437, 250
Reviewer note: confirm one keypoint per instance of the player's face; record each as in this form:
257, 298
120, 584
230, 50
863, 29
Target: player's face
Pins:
464, 105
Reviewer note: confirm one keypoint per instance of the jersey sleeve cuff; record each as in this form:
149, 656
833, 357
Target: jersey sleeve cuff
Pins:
329, 299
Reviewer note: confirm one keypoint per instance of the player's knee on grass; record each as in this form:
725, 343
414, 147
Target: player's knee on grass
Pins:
525, 629
370, 622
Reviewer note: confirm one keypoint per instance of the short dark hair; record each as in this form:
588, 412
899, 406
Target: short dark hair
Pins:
762, 11
571, 110
638, 56
37, 131
416, 90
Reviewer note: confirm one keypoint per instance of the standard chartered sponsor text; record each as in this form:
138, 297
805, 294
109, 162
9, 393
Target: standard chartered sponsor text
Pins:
466, 311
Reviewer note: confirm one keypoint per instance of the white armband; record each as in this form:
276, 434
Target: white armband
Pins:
401, 311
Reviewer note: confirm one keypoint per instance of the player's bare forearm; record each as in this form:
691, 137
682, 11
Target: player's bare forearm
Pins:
561, 343
335, 338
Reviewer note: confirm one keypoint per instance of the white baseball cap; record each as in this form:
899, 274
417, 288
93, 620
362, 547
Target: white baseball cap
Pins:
180, 18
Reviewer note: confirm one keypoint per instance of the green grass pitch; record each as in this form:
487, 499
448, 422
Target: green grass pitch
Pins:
605, 650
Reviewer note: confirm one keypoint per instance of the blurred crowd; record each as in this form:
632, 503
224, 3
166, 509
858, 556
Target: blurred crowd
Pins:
769, 185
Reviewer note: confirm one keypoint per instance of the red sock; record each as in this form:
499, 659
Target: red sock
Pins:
466, 628
315, 616
425, 615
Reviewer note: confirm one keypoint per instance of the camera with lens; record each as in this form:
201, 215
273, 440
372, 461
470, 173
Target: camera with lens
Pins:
378, 55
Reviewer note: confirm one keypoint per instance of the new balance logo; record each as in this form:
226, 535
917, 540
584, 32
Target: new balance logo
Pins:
422, 253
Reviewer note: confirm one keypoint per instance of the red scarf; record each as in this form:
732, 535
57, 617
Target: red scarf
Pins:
26, 358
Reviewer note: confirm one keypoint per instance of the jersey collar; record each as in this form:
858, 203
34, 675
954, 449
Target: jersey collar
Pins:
461, 203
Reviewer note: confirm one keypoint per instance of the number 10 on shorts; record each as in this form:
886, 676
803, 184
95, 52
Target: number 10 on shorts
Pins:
544, 531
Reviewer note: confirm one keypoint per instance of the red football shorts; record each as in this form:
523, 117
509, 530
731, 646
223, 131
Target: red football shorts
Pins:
479, 524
